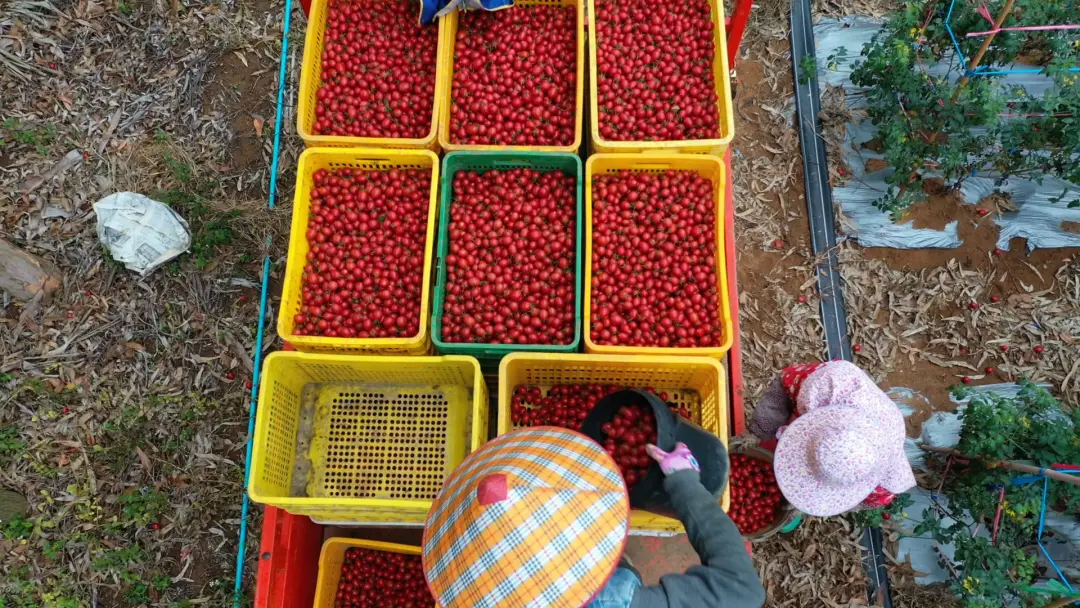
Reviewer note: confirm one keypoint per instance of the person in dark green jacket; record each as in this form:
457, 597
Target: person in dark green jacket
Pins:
538, 518
726, 576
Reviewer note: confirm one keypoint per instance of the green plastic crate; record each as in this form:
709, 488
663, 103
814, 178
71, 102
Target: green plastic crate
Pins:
486, 161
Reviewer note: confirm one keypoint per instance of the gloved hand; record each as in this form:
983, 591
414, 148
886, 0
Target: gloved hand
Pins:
430, 9
679, 459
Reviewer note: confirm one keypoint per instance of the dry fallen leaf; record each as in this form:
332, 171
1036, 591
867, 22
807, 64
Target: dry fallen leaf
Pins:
257, 122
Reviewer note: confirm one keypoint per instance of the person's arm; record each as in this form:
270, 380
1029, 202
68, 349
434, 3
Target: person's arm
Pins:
726, 576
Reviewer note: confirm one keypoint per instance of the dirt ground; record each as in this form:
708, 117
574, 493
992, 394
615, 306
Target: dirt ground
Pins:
123, 399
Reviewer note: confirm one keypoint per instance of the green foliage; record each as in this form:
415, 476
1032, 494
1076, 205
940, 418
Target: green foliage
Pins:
874, 518
210, 229
140, 507
807, 69
1031, 427
10, 443
926, 122
17, 528
39, 137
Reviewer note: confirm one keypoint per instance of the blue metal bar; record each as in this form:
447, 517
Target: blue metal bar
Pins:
280, 103
241, 551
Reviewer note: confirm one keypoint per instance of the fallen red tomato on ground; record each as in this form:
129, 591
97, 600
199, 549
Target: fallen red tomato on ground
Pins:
380, 579
654, 260
378, 71
510, 269
755, 496
655, 70
367, 232
515, 77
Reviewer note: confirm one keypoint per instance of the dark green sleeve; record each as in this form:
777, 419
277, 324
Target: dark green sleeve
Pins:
726, 576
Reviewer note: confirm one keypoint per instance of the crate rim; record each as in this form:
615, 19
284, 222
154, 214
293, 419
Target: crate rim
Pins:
324, 575
485, 350
728, 324
727, 119
284, 321
447, 84
316, 24
478, 407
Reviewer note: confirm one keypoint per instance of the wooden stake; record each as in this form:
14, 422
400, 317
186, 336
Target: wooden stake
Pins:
1008, 464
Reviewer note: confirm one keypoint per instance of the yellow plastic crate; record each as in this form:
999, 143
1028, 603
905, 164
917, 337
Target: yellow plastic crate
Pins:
724, 105
311, 161
363, 439
332, 558
705, 165
448, 38
311, 79
698, 382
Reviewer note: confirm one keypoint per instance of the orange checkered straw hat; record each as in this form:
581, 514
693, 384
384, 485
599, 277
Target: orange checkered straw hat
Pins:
535, 518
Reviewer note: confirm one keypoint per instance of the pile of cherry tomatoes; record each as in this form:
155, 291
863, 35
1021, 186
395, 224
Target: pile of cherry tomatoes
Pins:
380, 579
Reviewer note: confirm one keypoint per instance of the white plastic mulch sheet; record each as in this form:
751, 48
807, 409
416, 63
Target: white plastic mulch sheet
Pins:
1039, 219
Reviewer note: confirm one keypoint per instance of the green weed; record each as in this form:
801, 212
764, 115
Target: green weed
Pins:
10, 443
40, 138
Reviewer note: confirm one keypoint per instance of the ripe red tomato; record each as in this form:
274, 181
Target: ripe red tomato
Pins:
567, 405
755, 496
510, 269
379, 579
367, 232
378, 71
655, 71
515, 77
654, 260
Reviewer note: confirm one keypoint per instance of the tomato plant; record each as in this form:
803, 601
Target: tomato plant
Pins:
998, 566
364, 271
378, 71
654, 260
655, 70
380, 579
956, 127
515, 77
510, 269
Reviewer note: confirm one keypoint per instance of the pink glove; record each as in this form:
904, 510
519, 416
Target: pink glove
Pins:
679, 459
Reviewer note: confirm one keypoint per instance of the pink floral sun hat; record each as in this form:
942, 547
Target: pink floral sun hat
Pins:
848, 440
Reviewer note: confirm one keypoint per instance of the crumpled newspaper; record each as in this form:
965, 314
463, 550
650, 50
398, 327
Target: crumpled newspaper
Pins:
140, 232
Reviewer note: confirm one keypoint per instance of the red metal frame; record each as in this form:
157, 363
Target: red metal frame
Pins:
736, 26
288, 560
738, 420
290, 544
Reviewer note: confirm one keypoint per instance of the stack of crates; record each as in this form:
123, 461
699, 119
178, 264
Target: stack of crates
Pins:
363, 431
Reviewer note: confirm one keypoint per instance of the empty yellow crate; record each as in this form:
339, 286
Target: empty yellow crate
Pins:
705, 165
363, 439
699, 382
311, 161
724, 105
332, 558
448, 38
311, 79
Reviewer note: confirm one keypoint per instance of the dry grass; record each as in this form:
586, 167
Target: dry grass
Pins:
123, 406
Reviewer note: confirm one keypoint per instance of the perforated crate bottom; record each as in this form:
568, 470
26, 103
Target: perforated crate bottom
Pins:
372, 441
690, 398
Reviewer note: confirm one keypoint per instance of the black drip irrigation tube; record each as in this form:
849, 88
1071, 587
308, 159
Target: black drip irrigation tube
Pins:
819, 206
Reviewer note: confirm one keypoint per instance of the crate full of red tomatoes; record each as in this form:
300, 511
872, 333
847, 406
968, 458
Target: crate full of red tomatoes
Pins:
509, 254
369, 76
